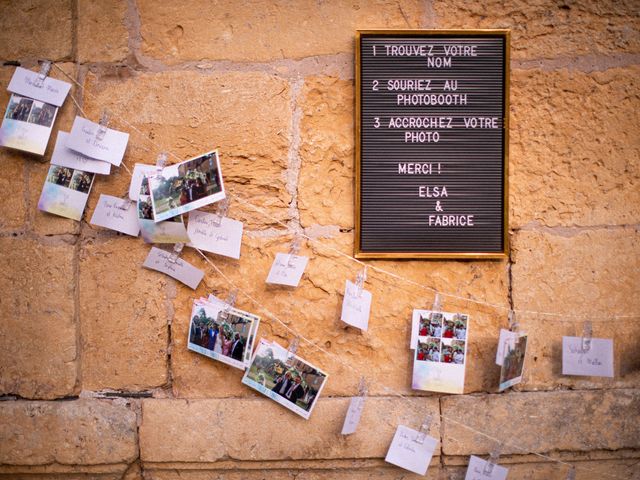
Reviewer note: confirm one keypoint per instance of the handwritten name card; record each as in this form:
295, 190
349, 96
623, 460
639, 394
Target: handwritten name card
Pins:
595, 362
52, 91
476, 468
356, 306
405, 452
116, 214
351, 421
65, 157
287, 269
182, 271
83, 139
206, 234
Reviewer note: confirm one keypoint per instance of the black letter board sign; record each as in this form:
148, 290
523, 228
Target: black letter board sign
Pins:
432, 144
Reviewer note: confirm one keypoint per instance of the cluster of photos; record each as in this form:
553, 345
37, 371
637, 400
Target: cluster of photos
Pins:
442, 339
228, 335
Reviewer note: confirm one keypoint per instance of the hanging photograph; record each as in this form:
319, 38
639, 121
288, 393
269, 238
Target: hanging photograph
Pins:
440, 356
515, 350
27, 124
223, 334
170, 231
186, 186
285, 378
65, 192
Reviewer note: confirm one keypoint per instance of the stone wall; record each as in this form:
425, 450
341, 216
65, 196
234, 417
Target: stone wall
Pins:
95, 377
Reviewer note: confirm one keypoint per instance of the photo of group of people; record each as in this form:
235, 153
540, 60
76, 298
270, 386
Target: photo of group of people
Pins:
513, 362
222, 333
441, 351
65, 192
25, 109
285, 378
186, 186
442, 339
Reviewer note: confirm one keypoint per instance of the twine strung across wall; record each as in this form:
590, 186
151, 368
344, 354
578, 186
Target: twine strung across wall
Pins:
554, 315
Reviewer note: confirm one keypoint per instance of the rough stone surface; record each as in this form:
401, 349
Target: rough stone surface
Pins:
542, 421
176, 33
36, 29
547, 272
270, 83
571, 162
102, 34
82, 432
547, 30
326, 152
249, 125
351, 351
577, 272
32, 364
327, 473
254, 430
123, 317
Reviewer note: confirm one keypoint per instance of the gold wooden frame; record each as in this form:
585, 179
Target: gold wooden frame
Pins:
358, 253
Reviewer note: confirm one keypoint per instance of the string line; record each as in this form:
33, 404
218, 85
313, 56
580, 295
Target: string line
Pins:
377, 269
562, 316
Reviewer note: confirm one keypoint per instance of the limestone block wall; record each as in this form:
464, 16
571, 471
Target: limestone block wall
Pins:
95, 377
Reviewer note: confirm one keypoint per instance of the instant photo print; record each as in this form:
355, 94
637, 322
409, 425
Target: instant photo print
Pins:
65, 192
31, 111
440, 356
223, 334
186, 186
287, 379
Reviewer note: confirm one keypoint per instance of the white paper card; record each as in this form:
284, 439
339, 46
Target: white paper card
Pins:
180, 270
83, 139
116, 214
351, 421
224, 239
406, 453
287, 269
596, 362
507, 337
476, 466
65, 157
27, 124
139, 171
356, 306
52, 91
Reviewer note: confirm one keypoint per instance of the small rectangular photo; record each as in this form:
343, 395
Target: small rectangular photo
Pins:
170, 231
460, 326
27, 124
65, 192
19, 108
458, 348
186, 186
226, 335
428, 350
42, 114
287, 379
431, 325
513, 362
